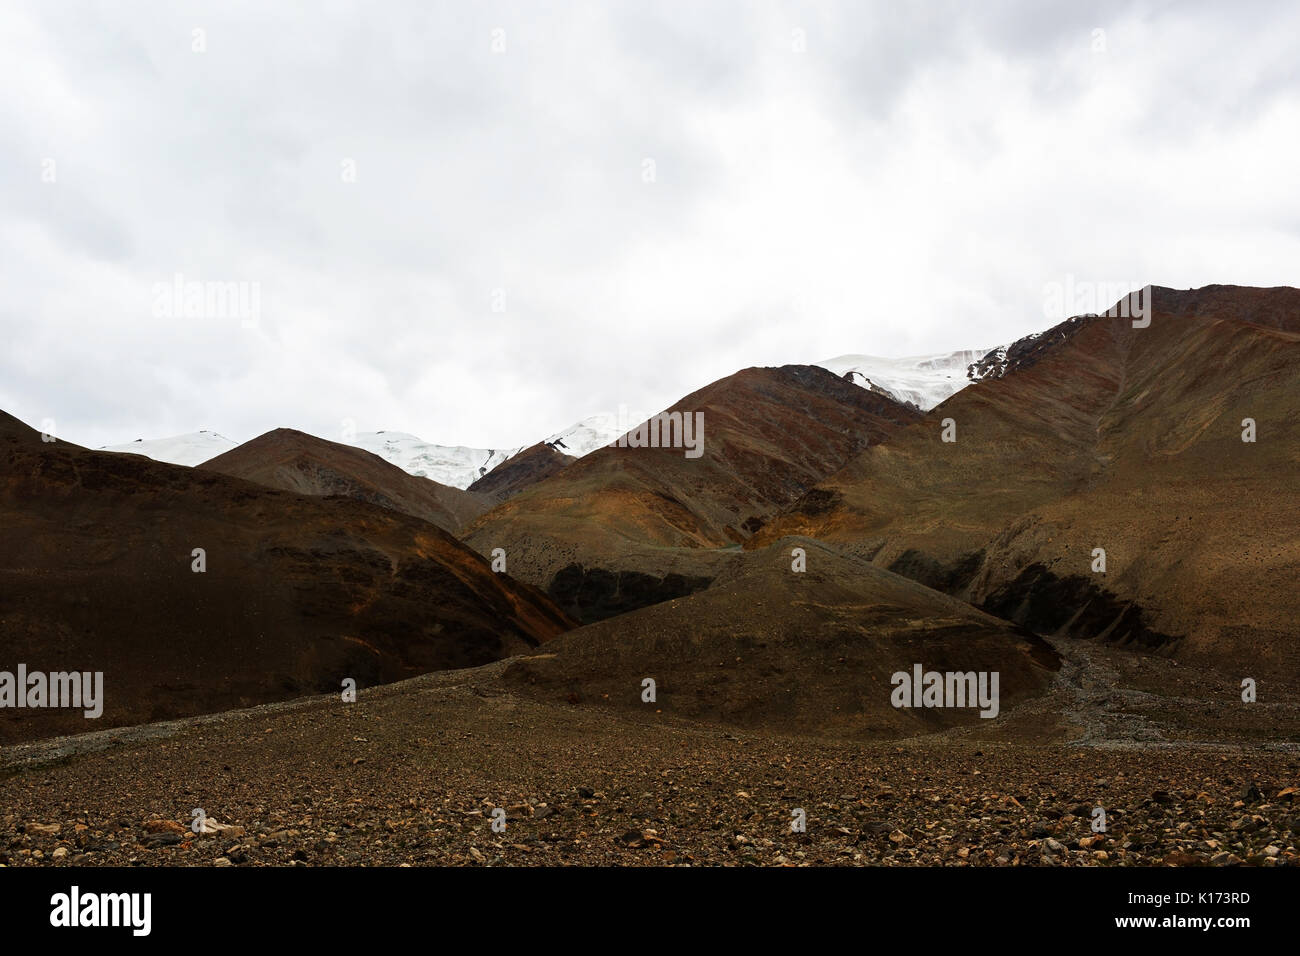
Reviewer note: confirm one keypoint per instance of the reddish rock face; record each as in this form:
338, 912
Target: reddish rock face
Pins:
648, 520
1102, 435
525, 469
96, 574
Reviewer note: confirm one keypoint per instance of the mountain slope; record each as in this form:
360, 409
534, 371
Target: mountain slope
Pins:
520, 471
298, 593
1097, 434
294, 461
621, 514
809, 652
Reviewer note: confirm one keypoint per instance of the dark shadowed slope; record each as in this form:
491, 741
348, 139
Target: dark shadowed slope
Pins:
298, 593
522, 470
623, 527
808, 652
294, 461
1113, 437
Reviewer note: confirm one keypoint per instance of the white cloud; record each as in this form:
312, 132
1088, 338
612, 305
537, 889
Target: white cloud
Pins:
909, 183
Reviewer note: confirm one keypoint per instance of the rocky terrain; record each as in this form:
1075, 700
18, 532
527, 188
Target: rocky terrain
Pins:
809, 652
523, 469
633, 525
294, 461
1097, 434
193, 591
683, 655
412, 772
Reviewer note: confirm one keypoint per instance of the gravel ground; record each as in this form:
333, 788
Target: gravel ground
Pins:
411, 774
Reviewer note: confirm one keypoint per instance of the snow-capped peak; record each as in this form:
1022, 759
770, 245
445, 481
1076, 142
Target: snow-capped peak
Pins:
920, 380
192, 449
595, 431
453, 465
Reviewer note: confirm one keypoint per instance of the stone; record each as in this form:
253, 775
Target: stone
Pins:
163, 826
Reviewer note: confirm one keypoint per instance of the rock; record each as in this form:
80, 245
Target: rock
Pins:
163, 826
45, 829
62, 851
222, 861
1250, 793
213, 827
163, 838
1288, 794
636, 840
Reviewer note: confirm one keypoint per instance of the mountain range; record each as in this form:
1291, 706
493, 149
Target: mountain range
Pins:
1099, 481
922, 381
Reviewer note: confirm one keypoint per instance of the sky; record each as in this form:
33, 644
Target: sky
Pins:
481, 222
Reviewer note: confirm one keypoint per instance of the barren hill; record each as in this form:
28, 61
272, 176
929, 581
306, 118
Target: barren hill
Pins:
97, 573
295, 461
1103, 435
623, 527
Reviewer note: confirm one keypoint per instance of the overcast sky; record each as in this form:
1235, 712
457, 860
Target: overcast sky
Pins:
481, 222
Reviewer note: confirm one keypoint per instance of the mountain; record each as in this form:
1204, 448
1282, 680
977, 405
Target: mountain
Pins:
452, 465
624, 527
460, 467
921, 380
809, 652
192, 449
1097, 434
297, 593
591, 433
294, 461
521, 471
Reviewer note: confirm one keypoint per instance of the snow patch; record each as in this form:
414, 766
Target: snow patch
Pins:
453, 465
192, 449
920, 380
591, 433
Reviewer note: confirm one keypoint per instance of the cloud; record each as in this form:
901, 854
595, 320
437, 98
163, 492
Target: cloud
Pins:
827, 178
